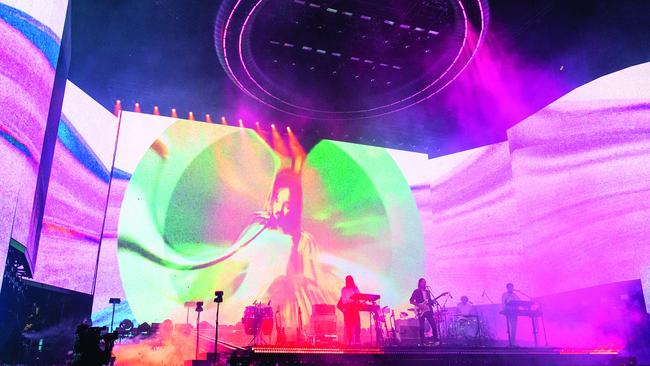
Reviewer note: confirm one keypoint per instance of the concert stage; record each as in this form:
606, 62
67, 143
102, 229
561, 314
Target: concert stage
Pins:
493, 356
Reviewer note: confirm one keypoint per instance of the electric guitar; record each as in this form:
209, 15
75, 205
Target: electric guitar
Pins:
424, 306
281, 337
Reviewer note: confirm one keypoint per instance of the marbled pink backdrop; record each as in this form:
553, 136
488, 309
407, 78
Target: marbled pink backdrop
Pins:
563, 204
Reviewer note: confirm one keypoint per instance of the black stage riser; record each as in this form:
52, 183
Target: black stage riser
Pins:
428, 360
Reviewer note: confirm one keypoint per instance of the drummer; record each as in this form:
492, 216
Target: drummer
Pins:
465, 307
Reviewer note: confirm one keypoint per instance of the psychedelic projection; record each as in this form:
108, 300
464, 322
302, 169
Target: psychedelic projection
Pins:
211, 207
30, 36
77, 194
560, 209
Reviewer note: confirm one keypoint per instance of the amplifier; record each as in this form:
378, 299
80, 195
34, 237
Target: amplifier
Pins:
410, 328
323, 325
323, 309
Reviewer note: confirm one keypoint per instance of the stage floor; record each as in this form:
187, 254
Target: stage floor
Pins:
493, 356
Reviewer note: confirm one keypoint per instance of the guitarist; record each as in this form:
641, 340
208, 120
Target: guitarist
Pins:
423, 301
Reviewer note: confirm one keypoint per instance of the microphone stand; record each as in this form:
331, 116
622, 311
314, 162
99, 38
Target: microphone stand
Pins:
484, 294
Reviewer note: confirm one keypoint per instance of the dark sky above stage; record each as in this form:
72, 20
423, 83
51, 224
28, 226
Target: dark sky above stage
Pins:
162, 52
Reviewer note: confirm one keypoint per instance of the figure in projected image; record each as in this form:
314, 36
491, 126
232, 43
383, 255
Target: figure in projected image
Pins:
282, 260
511, 319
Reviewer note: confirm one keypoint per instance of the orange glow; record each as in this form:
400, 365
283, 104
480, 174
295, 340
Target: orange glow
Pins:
261, 133
297, 151
156, 111
174, 114
588, 351
278, 142
118, 107
191, 116
208, 118
316, 350
137, 107
223, 121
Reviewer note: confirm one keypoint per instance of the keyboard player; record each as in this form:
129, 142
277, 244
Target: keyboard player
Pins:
350, 309
511, 318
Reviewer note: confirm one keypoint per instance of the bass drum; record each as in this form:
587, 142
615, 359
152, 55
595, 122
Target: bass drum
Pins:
266, 318
466, 327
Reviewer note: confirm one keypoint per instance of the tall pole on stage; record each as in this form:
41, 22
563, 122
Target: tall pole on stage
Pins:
108, 194
113, 300
199, 309
218, 299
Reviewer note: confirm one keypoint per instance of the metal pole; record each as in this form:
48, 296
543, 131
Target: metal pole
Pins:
108, 195
112, 316
198, 324
216, 338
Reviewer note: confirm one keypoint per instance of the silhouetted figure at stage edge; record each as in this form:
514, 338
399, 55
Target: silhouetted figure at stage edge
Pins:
422, 300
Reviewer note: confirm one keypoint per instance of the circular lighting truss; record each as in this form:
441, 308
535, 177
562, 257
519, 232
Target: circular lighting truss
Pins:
347, 59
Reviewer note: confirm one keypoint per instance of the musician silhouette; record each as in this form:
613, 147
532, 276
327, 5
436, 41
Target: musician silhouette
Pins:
421, 297
351, 318
511, 319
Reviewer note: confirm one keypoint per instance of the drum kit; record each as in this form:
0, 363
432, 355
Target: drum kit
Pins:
258, 322
453, 328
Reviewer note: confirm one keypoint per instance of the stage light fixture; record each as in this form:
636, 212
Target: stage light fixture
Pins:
174, 114
190, 116
156, 111
118, 107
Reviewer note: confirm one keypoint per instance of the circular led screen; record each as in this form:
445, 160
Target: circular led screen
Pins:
346, 59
